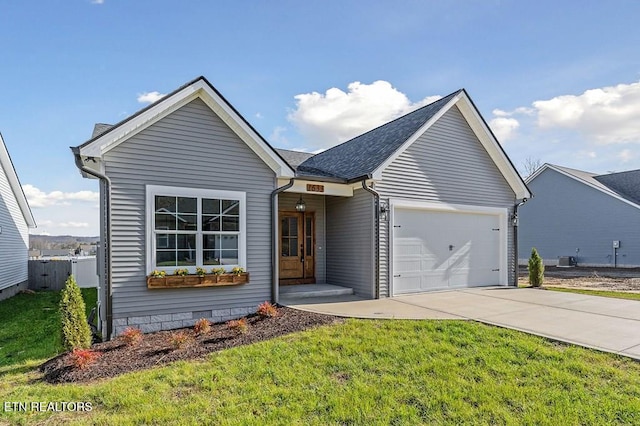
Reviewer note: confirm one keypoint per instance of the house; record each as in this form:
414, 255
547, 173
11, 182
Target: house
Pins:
15, 221
424, 202
593, 218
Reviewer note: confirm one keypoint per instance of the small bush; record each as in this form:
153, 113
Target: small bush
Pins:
82, 358
202, 326
267, 310
180, 339
536, 269
240, 326
131, 336
76, 333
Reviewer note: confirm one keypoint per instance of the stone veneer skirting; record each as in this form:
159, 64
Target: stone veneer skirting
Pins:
153, 323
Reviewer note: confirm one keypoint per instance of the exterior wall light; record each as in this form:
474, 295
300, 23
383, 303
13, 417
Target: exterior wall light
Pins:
301, 206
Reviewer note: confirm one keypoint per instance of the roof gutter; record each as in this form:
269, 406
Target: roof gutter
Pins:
514, 221
106, 240
274, 239
376, 235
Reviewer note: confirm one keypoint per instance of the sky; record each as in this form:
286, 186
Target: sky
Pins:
557, 81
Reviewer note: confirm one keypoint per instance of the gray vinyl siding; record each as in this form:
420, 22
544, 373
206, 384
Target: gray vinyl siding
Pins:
350, 257
565, 215
14, 240
446, 164
190, 148
315, 204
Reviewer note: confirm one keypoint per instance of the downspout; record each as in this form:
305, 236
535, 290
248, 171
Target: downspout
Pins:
376, 236
274, 240
107, 242
515, 239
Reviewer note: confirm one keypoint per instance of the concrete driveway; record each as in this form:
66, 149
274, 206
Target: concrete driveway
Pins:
607, 324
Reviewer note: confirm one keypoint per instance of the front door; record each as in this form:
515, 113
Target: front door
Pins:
297, 263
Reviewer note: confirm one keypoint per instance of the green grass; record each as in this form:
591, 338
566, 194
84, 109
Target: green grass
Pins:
603, 293
30, 326
361, 372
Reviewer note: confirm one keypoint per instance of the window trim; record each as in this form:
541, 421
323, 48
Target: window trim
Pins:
175, 191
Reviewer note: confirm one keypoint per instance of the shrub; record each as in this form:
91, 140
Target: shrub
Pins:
240, 326
202, 326
180, 339
76, 333
131, 336
536, 269
267, 310
82, 358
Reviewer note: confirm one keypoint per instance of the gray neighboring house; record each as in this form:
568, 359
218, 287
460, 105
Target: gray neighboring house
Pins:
593, 218
424, 202
15, 221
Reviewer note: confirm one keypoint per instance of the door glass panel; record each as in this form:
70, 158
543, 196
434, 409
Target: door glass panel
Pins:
284, 225
293, 226
293, 245
308, 235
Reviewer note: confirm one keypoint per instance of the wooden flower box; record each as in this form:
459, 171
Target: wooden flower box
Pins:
208, 280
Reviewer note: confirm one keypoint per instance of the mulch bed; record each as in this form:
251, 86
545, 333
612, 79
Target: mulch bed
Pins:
156, 349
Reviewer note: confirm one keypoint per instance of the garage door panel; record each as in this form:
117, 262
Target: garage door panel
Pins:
438, 250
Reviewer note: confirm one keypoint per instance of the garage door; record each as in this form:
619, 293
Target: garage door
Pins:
437, 250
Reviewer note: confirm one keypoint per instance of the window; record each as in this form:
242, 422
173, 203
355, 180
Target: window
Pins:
189, 227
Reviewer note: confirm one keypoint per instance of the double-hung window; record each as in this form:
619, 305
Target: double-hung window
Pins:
188, 227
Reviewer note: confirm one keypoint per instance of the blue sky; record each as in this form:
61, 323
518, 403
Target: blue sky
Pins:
558, 81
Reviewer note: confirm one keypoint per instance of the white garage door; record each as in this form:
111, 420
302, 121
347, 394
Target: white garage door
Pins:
436, 250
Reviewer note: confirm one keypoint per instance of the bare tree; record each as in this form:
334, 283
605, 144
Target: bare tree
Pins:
530, 165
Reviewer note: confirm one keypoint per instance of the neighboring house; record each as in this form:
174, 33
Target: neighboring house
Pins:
15, 221
424, 202
593, 218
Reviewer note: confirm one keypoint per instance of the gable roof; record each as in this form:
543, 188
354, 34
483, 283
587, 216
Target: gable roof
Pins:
107, 137
294, 158
357, 158
367, 155
7, 165
623, 186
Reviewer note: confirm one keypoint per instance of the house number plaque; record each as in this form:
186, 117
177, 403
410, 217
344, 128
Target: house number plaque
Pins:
315, 188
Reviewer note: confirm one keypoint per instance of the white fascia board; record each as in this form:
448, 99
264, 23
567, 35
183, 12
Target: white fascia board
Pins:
199, 89
14, 182
589, 184
377, 173
330, 188
492, 146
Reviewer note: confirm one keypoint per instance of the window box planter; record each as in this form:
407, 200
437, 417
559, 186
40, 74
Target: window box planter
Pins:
207, 280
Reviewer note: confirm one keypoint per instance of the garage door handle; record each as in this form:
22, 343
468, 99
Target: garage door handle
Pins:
495, 270
397, 276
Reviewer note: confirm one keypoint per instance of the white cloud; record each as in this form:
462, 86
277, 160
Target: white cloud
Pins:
605, 115
504, 127
277, 136
626, 155
38, 198
259, 116
335, 116
73, 224
149, 97
97, 1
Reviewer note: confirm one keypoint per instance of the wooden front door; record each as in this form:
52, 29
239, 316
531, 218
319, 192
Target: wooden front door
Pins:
297, 247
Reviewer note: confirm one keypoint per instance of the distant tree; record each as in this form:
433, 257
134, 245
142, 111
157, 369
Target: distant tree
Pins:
530, 165
536, 269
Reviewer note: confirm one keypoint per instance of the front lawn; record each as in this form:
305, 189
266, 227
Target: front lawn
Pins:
360, 372
30, 326
603, 293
